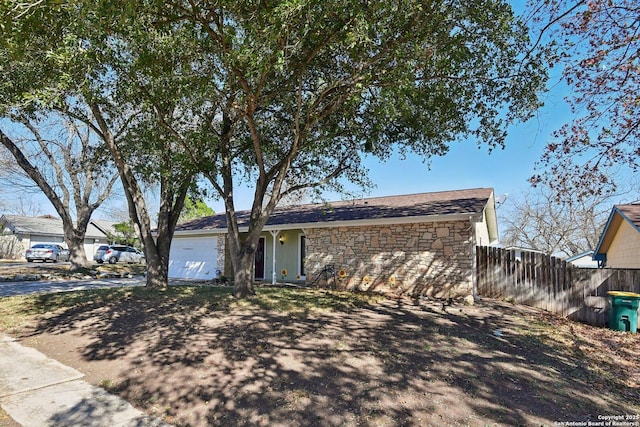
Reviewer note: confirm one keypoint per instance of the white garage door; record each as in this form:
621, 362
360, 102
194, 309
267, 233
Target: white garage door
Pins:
193, 258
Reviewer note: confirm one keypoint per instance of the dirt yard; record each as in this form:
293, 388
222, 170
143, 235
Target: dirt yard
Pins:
307, 358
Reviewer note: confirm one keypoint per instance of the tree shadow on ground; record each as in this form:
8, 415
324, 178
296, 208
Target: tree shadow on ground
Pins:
406, 362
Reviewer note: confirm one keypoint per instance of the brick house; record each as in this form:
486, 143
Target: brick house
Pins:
416, 244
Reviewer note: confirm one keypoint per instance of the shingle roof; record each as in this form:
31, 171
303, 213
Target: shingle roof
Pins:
631, 212
459, 202
619, 213
44, 226
104, 226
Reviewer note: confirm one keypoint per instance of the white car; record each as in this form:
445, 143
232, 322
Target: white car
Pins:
47, 252
117, 253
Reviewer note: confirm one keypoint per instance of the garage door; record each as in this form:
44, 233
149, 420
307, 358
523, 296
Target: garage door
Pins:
35, 240
47, 239
193, 258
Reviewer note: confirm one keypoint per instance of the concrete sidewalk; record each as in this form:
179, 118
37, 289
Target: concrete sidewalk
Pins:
38, 391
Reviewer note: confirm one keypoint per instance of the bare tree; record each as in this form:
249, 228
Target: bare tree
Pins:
538, 219
23, 206
61, 158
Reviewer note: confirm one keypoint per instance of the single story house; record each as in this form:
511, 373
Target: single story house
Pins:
519, 251
419, 243
18, 233
619, 244
105, 227
583, 260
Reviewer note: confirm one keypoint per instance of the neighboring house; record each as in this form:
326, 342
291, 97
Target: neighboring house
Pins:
583, 260
105, 227
418, 244
519, 250
619, 244
19, 233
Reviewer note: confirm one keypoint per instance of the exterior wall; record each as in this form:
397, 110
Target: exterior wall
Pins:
286, 254
482, 232
11, 247
26, 241
434, 259
624, 251
222, 250
92, 244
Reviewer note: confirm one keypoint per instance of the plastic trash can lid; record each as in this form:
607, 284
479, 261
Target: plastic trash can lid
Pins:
623, 294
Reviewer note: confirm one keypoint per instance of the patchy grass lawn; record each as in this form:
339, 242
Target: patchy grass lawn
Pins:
196, 356
9, 270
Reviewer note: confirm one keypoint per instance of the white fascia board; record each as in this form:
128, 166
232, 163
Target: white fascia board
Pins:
354, 223
200, 233
378, 221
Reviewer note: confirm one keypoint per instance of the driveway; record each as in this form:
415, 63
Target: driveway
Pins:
48, 286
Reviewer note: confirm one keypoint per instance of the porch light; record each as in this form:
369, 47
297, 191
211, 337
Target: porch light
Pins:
281, 240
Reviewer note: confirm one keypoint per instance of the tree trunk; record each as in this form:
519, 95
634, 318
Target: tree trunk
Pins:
243, 273
74, 236
157, 270
157, 253
78, 255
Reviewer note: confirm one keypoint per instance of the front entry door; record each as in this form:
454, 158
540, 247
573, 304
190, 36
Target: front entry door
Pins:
259, 270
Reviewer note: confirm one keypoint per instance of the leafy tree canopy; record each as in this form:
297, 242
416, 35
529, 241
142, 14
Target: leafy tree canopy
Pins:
290, 95
194, 208
67, 57
124, 234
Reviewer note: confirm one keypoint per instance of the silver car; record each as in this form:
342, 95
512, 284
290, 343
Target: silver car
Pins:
97, 257
47, 252
117, 253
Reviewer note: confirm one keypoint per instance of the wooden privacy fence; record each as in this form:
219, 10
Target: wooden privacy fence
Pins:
549, 283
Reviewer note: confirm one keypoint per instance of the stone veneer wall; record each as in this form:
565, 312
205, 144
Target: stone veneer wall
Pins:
433, 259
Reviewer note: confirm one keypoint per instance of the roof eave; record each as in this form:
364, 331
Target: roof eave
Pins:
599, 249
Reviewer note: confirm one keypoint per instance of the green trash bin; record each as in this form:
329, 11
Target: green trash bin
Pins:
623, 311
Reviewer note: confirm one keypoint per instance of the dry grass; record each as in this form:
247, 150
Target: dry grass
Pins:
196, 356
11, 269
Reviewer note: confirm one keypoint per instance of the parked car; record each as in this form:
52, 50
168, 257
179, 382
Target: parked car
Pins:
47, 251
117, 253
97, 257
